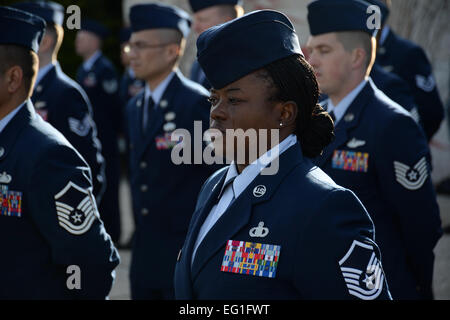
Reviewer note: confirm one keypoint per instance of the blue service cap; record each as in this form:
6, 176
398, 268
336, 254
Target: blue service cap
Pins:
23, 28
232, 50
197, 5
326, 16
124, 35
158, 16
95, 27
383, 9
50, 11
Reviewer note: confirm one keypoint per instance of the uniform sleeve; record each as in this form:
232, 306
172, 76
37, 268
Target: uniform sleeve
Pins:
78, 126
404, 170
426, 95
337, 256
64, 211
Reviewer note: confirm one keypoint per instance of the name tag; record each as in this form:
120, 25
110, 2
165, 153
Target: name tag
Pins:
350, 160
251, 258
10, 202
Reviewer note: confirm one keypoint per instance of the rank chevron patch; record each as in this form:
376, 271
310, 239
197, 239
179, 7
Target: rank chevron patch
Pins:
75, 208
80, 127
411, 178
364, 281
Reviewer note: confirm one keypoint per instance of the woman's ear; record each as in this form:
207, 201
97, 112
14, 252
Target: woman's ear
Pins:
288, 114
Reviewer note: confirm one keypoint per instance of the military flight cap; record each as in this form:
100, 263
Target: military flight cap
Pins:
232, 50
197, 5
23, 28
326, 16
94, 27
50, 11
124, 35
159, 16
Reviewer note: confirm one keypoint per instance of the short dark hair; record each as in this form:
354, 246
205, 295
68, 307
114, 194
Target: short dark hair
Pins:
230, 11
26, 59
293, 79
57, 33
357, 39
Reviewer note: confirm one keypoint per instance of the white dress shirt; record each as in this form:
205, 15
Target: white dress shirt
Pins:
340, 109
240, 183
156, 95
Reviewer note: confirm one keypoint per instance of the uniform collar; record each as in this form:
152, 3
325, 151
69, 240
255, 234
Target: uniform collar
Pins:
4, 122
384, 34
340, 109
43, 71
243, 180
159, 90
130, 73
87, 65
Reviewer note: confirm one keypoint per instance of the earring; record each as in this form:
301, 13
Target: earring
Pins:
281, 124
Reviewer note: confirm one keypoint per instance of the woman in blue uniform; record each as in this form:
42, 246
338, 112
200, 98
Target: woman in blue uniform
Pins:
285, 233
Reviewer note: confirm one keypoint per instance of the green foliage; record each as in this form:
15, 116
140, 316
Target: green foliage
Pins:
108, 12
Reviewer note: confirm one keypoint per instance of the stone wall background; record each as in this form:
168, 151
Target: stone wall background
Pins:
423, 22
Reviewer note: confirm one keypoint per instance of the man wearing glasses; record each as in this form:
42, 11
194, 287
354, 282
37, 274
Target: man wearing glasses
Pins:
164, 194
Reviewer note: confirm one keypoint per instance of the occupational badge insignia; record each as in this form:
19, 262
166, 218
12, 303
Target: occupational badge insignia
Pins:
80, 128
5, 178
355, 143
259, 232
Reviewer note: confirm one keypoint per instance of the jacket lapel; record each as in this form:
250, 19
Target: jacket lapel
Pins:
12, 130
199, 215
348, 122
40, 89
156, 119
239, 212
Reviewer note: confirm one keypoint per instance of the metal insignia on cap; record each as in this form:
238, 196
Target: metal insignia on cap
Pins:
169, 126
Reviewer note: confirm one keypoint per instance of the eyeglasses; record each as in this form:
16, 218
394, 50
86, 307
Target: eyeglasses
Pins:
142, 45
